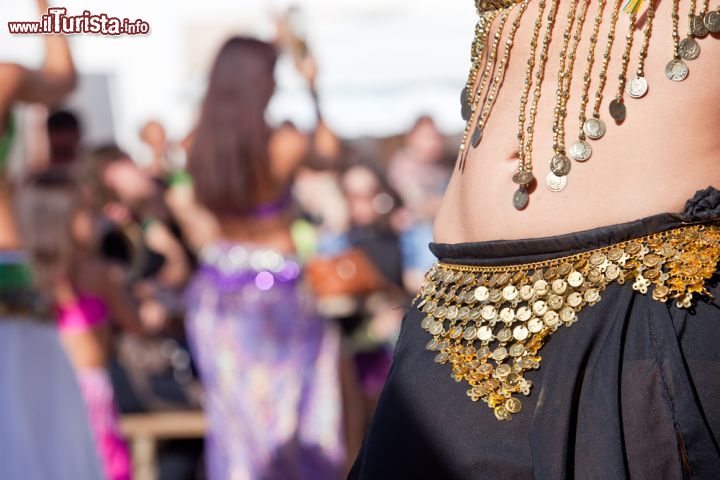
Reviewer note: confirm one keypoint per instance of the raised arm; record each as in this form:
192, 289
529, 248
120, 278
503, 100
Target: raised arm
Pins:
325, 145
55, 78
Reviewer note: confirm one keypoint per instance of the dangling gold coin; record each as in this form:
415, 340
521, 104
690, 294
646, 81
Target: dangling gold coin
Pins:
521, 198
698, 27
465, 111
637, 87
476, 136
523, 177
580, 150
464, 96
594, 128
676, 70
618, 110
555, 183
689, 48
560, 165
712, 21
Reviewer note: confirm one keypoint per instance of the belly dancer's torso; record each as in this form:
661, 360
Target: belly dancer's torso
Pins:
667, 148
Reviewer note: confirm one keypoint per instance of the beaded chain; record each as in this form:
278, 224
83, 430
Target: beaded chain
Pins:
478, 98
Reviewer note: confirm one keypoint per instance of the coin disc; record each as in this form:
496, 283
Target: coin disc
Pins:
594, 128
580, 150
676, 70
637, 87
618, 111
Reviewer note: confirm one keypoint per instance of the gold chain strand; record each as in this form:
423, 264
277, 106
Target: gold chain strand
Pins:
560, 165
479, 88
490, 66
561, 75
521, 177
500, 72
537, 92
689, 47
520, 198
581, 149
594, 128
479, 93
481, 34
638, 86
477, 51
676, 69
489, 323
617, 107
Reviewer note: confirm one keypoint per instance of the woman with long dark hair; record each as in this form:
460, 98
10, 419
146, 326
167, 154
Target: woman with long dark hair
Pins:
269, 363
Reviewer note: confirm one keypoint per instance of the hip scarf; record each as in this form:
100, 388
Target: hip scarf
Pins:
489, 323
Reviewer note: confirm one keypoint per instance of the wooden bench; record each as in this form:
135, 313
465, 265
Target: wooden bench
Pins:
144, 430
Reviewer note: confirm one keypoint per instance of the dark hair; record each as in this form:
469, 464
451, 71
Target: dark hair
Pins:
63, 120
91, 171
229, 159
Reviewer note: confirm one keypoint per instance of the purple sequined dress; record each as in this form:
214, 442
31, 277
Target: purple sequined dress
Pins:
269, 366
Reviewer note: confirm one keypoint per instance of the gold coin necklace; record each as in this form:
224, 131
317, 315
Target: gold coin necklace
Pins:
594, 127
487, 73
617, 107
499, 76
580, 149
689, 48
476, 55
676, 70
479, 93
479, 47
556, 179
638, 86
524, 175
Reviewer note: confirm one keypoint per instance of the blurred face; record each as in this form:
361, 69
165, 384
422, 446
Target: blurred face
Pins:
425, 140
362, 190
129, 182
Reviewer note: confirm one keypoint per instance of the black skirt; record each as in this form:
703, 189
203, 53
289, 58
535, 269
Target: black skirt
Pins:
632, 390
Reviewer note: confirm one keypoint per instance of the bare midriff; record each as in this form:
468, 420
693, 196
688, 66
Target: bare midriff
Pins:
667, 148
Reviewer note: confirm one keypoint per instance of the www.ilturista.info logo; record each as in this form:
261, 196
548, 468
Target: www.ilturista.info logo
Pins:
57, 21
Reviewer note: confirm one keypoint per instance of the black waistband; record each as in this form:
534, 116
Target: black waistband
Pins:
703, 207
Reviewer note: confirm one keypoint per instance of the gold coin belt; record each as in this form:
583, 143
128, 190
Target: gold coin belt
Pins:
489, 323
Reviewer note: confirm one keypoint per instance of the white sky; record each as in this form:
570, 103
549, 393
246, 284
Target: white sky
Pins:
382, 62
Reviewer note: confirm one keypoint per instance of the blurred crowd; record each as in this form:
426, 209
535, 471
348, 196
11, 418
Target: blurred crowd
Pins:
258, 272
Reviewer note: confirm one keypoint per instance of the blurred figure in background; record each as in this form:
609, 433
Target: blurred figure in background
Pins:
269, 363
44, 431
129, 197
367, 272
65, 136
86, 293
419, 173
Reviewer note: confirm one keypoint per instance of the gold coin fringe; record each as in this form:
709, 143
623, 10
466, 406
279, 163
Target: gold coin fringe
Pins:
489, 323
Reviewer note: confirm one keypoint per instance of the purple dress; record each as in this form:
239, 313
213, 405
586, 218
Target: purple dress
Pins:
269, 366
